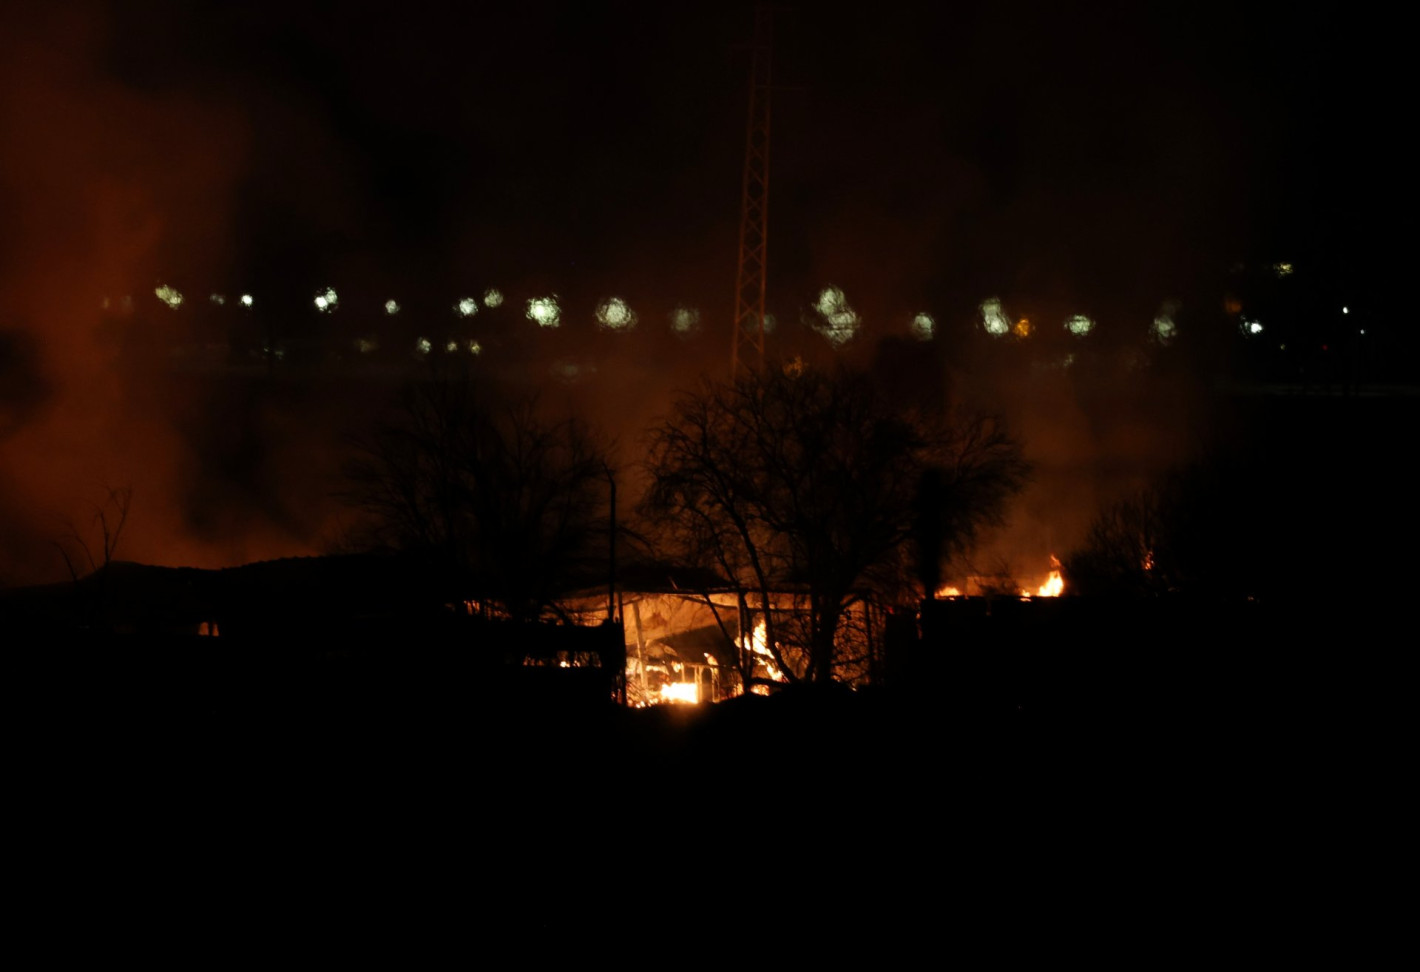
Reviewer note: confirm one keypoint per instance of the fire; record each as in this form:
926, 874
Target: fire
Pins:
1054, 584
947, 590
758, 643
682, 692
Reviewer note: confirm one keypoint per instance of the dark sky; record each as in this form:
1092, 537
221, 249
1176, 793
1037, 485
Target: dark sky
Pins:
1022, 146
1095, 158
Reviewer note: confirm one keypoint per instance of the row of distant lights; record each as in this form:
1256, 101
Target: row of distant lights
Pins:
835, 318
614, 314
996, 323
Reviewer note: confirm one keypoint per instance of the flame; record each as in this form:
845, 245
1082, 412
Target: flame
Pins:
947, 590
682, 692
1054, 584
759, 645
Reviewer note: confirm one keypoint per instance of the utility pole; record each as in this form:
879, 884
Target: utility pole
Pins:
747, 351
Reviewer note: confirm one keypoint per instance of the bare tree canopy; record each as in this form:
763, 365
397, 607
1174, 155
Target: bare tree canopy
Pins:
1194, 530
511, 504
803, 482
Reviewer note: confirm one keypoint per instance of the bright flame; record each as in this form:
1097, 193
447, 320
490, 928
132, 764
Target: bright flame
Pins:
1023, 328
246, 300
682, 692
758, 645
1054, 584
947, 590
169, 296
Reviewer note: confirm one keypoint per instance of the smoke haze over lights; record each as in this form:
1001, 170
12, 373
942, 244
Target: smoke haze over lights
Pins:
839, 321
685, 321
616, 315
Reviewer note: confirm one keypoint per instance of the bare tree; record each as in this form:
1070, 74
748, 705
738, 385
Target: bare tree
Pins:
509, 503
1194, 529
803, 487
86, 550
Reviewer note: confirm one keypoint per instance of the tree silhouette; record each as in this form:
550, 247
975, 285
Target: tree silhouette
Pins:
804, 487
86, 551
509, 504
1199, 529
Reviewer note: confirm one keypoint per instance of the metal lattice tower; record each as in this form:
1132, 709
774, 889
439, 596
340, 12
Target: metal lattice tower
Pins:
747, 352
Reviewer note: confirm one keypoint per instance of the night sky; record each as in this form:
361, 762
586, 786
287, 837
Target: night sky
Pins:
1095, 158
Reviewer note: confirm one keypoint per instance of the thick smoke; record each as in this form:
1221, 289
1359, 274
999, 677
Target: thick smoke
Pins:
107, 192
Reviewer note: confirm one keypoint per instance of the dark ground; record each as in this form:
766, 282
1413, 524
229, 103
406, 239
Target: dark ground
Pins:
1233, 779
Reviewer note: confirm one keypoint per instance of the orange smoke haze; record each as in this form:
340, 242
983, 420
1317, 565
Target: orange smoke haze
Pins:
101, 186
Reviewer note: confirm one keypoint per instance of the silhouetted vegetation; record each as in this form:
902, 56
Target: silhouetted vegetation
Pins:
803, 486
508, 502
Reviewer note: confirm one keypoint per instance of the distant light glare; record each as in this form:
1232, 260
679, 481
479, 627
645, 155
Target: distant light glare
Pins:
391, 307
246, 300
475, 348
839, 321
492, 297
1024, 328
923, 326
1079, 325
1163, 330
685, 321
451, 347
1282, 269
423, 345
466, 307
366, 345
1250, 326
545, 311
218, 299
327, 300
993, 319
615, 315
169, 296
1345, 310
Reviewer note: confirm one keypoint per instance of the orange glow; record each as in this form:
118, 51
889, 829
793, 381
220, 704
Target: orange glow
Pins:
758, 643
1054, 584
685, 693
947, 590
